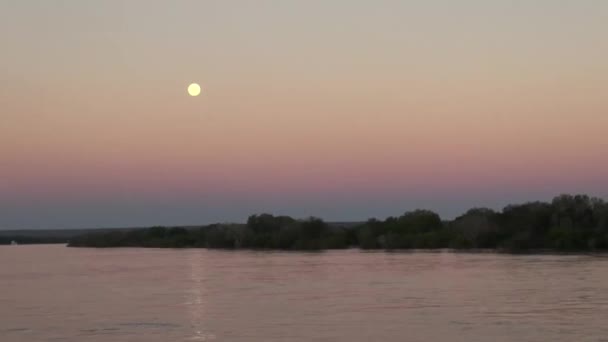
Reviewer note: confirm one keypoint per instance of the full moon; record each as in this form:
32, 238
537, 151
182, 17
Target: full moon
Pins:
194, 89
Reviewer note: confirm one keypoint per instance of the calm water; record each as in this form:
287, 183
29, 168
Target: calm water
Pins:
54, 293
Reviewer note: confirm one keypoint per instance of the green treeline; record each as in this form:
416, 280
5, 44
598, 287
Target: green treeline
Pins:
568, 223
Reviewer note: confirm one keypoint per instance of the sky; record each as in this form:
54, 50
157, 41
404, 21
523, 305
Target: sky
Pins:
340, 109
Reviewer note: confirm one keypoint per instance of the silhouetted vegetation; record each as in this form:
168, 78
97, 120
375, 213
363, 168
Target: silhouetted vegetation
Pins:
261, 232
568, 223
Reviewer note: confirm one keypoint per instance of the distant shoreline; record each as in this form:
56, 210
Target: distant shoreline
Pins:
539, 252
568, 224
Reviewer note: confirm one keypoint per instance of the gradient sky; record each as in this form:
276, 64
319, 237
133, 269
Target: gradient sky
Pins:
341, 109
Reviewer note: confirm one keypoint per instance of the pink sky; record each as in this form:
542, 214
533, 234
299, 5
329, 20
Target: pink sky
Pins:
353, 110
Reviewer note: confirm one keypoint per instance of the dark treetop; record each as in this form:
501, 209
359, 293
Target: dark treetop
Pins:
568, 223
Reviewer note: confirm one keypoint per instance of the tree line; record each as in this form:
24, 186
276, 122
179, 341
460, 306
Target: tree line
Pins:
567, 223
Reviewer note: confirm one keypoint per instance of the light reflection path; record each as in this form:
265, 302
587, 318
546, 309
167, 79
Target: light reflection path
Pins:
196, 302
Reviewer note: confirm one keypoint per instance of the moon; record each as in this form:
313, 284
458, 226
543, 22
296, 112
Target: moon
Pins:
194, 89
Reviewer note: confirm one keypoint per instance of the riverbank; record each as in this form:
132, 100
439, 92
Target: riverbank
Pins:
567, 224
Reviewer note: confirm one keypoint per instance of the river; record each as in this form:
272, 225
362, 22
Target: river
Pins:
55, 293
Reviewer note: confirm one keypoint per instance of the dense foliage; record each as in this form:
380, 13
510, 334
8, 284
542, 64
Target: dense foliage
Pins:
261, 232
568, 223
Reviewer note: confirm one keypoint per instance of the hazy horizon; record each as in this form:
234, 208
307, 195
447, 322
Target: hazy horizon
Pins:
343, 110
450, 210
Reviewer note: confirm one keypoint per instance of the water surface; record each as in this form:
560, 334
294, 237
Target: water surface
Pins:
54, 293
